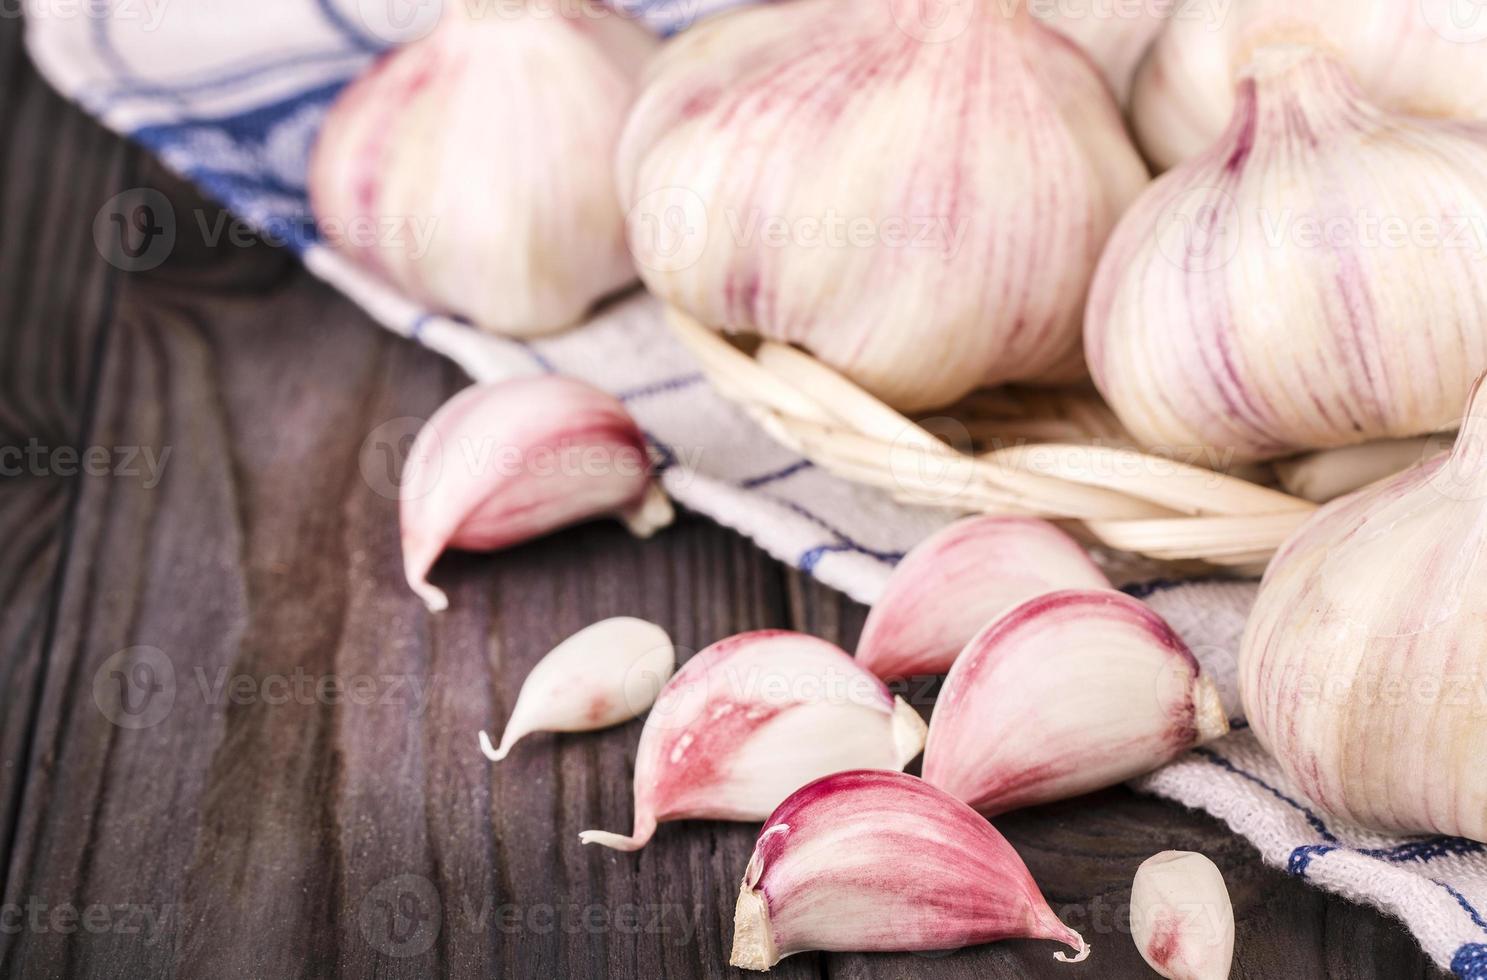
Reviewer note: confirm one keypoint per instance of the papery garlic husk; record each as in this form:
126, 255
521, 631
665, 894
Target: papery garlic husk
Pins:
603, 675
882, 861
472, 168
1066, 694
1115, 36
499, 464
1181, 917
1363, 665
751, 719
1420, 57
961, 578
916, 191
1312, 281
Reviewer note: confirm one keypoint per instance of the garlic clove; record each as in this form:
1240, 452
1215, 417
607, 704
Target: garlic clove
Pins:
1181, 917
500, 464
1318, 225
959, 258
958, 580
1361, 665
752, 718
1114, 36
603, 675
1324, 476
498, 208
881, 861
1422, 57
1066, 694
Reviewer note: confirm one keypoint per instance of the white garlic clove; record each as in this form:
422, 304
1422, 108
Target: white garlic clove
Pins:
1115, 36
1066, 694
603, 675
752, 718
958, 580
1181, 917
881, 861
1361, 666
449, 172
1423, 57
503, 463
1320, 226
959, 257
1322, 477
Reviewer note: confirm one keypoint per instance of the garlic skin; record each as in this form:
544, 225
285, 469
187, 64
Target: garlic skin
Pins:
961, 578
499, 464
1115, 36
882, 861
1320, 226
445, 171
1419, 57
958, 258
752, 718
1181, 917
1066, 694
601, 676
1361, 667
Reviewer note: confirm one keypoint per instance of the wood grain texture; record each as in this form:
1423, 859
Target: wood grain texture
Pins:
231, 818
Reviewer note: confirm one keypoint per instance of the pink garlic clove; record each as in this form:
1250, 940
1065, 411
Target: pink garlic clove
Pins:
874, 861
1066, 694
500, 464
752, 718
960, 579
603, 675
1181, 917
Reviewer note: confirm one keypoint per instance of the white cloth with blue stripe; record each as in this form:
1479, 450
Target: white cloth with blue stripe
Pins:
229, 93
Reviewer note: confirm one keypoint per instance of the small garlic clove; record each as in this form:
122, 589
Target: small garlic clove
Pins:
1114, 36
603, 675
749, 720
472, 168
882, 861
1362, 667
1181, 917
1322, 477
1066, 694
502, 463
958, 580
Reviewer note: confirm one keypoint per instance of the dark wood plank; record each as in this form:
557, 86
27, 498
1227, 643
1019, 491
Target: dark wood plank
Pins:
263, 830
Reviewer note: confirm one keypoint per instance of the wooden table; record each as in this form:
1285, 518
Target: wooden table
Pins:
261, 826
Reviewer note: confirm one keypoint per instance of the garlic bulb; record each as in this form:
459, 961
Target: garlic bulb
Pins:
1181, 917
1424, 57
751, 719
603, 675
1066, 694
472, 168
1312, 281
958, 580
877, 861
916, 191
1114, 35
499, 464
1362, 664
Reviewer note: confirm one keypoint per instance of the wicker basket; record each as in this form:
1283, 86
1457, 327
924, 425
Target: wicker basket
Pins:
1060, 455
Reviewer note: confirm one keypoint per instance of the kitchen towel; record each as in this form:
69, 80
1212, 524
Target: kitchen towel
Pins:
229, 94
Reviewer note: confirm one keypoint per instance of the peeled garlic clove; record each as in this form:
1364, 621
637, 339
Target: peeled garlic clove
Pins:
1319, 226
1114, 36
1362, 667
882, 861
1066, 694
958, 580
959, 257
472, 168
1422, 57
752, 718
603, 675
1181, 917
502, 463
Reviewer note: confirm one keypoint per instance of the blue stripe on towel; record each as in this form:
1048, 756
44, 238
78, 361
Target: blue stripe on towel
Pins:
1470, 962
784, 473
1316, 822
